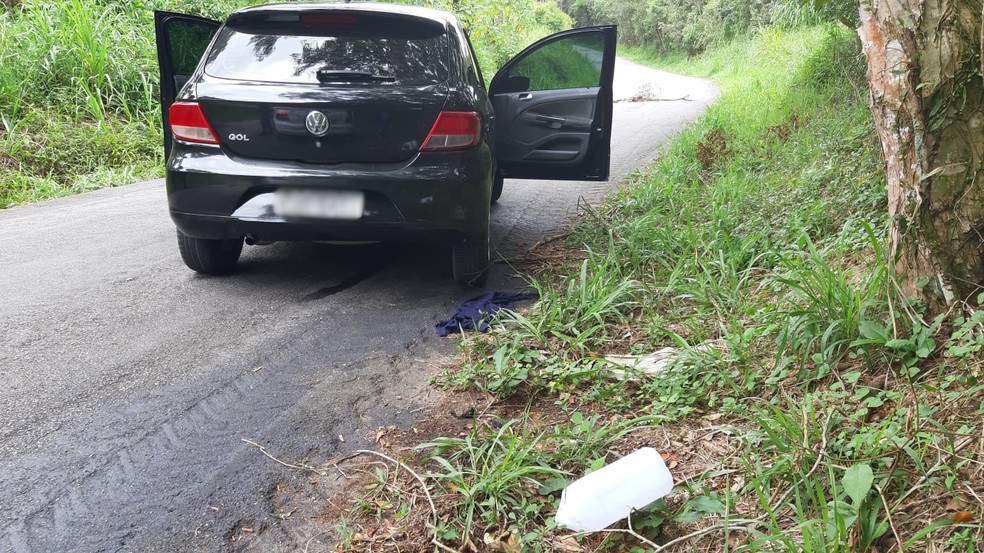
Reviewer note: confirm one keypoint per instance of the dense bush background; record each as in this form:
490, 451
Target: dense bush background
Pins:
690, 26
79, 83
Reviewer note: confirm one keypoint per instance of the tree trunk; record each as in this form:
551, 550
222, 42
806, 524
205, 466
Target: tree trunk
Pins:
927, 98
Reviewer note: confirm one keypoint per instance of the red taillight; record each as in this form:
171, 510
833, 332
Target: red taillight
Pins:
454, 130
188, 123
329, 19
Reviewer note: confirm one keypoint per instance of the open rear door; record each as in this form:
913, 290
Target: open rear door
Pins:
553, 107
181, 41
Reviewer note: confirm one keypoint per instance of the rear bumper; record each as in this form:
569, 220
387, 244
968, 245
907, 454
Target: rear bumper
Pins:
433, 196
217, 226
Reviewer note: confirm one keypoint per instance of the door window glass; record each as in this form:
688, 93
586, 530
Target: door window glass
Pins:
188, 41
571, 62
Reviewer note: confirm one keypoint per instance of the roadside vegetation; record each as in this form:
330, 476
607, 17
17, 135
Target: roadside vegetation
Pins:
806, 406
79, 100
688, 27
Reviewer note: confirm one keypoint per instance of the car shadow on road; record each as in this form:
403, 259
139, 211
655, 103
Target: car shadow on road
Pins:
311, 271
341, 266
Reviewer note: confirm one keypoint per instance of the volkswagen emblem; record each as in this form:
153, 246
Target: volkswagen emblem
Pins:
317, 123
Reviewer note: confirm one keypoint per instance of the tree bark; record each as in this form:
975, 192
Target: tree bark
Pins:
927, 99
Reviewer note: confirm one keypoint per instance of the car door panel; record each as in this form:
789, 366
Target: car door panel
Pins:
553, 107
554, 128
181, 42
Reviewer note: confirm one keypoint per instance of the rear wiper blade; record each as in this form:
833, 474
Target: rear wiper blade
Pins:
345, 75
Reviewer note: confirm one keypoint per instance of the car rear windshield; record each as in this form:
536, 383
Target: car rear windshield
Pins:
286, 47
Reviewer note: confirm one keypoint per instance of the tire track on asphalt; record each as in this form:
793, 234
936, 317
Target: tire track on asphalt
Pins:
72, 515
146, 475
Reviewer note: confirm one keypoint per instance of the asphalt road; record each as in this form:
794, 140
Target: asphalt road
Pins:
130, 383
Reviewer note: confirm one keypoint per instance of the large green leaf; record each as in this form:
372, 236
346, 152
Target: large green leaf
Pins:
857, 482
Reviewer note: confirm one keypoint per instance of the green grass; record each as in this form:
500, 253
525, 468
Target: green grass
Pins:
493, 471
78, 95
501, 479
755, 248
48, 155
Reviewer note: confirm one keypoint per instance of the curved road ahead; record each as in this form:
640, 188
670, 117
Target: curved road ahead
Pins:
129, 382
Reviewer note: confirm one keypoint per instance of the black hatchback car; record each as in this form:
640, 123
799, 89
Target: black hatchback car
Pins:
366, 122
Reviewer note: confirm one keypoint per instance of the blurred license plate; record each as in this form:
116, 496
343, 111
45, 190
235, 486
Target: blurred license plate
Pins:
320, 204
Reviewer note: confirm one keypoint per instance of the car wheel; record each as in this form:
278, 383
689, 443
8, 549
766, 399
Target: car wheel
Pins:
470, 260
210, 257
496, 187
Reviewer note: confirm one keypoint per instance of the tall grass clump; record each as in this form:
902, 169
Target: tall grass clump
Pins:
740, 222
79, 100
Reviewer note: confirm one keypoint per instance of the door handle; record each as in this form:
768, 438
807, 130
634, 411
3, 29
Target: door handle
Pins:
526, 96
552, 121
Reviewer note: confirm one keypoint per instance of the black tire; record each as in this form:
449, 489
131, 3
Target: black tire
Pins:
209, 257
497, 182
470, 260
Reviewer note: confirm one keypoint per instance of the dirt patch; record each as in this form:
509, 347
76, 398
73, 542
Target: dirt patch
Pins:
382, 507
784, 131
779, 132
712, 149
385, 509
548, 255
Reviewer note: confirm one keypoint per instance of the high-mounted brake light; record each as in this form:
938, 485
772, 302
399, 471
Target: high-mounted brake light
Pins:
454, 130
188, 123
329, 19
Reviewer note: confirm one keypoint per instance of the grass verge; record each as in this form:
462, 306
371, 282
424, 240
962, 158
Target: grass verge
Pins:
803, 405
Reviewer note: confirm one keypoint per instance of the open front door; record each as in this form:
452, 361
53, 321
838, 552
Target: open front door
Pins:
181, 41
553, 107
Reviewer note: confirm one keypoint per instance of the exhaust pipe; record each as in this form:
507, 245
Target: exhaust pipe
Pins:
254, 241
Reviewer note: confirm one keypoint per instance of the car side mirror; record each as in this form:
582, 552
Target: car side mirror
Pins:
518, 83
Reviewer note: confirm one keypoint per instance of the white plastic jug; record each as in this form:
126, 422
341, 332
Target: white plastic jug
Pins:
610, 493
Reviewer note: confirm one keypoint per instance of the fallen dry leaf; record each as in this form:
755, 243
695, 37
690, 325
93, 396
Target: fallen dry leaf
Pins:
962, 516
568, 544
507, 542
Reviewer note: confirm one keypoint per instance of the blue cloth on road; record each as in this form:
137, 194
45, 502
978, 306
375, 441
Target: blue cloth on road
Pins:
474, 313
